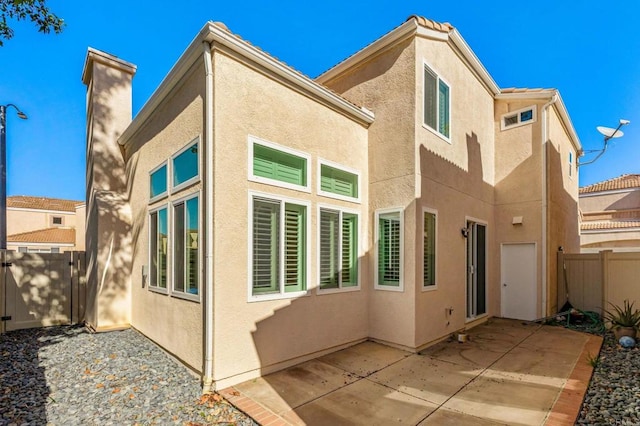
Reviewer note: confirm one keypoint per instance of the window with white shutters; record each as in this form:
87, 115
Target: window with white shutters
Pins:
279, 259
338, 249
389, 246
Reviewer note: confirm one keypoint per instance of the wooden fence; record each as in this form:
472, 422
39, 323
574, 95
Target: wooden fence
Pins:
591, 281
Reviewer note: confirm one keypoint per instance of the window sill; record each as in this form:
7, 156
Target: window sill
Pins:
278, 296
438, 134
398, 289
159, 290
479, 317
339, 197
186, 296
322, 292
157, 198
428, 288
185, 184
273, 182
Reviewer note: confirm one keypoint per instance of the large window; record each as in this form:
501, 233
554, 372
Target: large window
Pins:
429, 250
338, 249
158, 245
437, 103
186, 275
278, 165
158, 181
279, 247
389, 245
185, 166
338, 183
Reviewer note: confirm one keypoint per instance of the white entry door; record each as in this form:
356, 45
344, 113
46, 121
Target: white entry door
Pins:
519, 290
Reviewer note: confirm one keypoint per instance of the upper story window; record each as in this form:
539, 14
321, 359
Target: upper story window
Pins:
277, 165
518, 118
570, 164
158, 181
337, 182
185, 164
437, 103
57, 220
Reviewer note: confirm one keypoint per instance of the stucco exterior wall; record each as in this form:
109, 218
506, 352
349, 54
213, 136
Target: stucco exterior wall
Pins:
267, 335
174, 323
610, 201
385, 84
563, 216
456, 179
22, 220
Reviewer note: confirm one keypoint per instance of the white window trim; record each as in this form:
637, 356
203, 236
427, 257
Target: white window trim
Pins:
282, 294
172, 236
448, 139
357, 287
571, 159
164, 194
517, 112
192, 180
435, 286
379, 212
150, 286
322, 162
259, 179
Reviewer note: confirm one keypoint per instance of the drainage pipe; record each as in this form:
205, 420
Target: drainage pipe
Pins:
545, 203
208, 385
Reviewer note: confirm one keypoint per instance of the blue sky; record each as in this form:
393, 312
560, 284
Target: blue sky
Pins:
587, 49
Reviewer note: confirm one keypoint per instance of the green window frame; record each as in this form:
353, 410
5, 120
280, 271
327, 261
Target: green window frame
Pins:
185, 166
429, 249
338, 251
158, 181
338, 182
389, 229
278, 166
158, 248
186, 253
278, 247
437, 103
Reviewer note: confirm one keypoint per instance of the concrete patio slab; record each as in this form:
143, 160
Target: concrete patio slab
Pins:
509, 373
426, 378
367, 403
366, 358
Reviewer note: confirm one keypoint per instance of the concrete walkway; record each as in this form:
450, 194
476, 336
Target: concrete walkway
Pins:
508, 373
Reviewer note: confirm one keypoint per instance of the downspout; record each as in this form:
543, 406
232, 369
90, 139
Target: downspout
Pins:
545, 204
208, 385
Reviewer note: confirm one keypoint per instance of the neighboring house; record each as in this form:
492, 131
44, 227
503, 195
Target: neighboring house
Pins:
250, 218
610, 213
45, 225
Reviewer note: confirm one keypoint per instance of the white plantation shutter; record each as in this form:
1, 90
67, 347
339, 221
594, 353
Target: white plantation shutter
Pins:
294, 247
329, 254
349, 250
389, 249
430, 98
429, 241
266, 246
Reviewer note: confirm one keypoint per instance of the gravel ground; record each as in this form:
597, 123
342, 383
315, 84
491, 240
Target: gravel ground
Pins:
68, 376
613, 396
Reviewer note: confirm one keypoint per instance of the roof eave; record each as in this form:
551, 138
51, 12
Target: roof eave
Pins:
212, 33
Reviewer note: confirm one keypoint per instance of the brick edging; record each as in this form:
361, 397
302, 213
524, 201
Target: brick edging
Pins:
257, 412
567, 406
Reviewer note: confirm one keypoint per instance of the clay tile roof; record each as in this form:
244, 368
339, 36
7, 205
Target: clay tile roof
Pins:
42, 203
444, 27
625, 181
49, 235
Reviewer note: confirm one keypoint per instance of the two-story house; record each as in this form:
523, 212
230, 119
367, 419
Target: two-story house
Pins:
250, 218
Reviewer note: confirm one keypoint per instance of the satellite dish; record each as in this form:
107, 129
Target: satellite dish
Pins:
609, 133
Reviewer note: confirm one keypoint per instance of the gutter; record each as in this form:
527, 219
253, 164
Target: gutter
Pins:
208, 383
545, 204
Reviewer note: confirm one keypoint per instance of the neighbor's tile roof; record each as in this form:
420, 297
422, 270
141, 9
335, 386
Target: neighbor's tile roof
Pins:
49, 235
593, 226
625, 181
42, 203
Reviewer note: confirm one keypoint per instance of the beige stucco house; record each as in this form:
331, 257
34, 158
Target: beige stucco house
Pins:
610, 215
250, 218
45, 225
